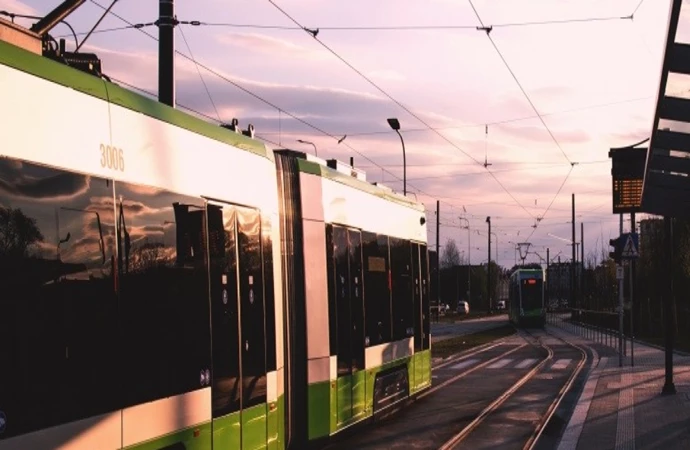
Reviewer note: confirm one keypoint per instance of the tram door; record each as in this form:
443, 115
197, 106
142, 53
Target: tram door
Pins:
238, 381
351, 382
417, 315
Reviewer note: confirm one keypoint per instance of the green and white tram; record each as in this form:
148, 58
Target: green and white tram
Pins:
171, 284
526, 298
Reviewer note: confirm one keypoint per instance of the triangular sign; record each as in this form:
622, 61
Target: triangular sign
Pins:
629, 250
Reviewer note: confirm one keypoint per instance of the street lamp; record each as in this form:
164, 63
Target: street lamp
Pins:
310, 143
395, 125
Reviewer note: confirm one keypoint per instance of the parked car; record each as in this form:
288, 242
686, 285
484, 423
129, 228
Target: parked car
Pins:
463, 307
501, 305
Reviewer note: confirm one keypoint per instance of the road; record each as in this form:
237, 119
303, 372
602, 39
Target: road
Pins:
441, 331
486, 399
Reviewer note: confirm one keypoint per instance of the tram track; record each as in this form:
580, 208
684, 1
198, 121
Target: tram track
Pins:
494, 408
486, 397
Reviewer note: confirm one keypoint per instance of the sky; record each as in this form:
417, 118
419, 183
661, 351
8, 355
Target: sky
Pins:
530, 98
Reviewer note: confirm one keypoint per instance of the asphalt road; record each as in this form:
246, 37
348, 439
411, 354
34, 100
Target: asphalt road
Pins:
441, 331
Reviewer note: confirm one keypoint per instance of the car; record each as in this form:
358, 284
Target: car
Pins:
463, 307
501, 305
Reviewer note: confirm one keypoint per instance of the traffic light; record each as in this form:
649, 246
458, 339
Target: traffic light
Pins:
617, 245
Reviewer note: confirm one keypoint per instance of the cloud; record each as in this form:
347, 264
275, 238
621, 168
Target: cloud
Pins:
267, 44
38, 183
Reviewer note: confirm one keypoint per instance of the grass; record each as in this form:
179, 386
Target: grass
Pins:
458, 344
454, 317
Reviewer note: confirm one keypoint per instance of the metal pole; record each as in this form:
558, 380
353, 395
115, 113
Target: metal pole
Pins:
582, 262
632, 310
438, 258
548, 279
488, 266
620, 310
572, 265
404, 164
166, 52
669, 387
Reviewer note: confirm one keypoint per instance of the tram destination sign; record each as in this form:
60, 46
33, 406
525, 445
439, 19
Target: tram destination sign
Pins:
627, 172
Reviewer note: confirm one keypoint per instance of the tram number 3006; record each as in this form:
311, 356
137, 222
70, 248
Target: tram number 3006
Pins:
112, 157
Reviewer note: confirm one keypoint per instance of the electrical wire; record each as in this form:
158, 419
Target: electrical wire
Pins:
196, 64
636, 8
524, 92
373, 28
390, 97
267, 102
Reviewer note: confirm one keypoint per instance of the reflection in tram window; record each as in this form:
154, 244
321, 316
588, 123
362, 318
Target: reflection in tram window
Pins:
163, 299
57, 309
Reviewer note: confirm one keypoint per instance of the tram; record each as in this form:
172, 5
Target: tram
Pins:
526, 298
168, 283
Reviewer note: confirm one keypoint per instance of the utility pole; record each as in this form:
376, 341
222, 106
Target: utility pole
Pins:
548, 279
488, 266
582, 261
438, 258
669, 387
572, 265
166, 52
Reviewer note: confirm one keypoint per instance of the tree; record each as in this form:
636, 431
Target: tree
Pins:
17, 232
451, 255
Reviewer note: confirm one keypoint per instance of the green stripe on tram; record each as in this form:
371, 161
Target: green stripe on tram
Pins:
324, 409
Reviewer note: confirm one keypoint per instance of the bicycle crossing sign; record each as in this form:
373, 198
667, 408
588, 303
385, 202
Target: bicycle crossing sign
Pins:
630, 248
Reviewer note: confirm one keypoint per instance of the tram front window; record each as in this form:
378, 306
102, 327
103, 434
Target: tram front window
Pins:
531, 293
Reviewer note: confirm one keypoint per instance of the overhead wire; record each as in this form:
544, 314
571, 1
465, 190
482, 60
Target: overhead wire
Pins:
394, 100
368, 28
517, 81
258, 97
196, 64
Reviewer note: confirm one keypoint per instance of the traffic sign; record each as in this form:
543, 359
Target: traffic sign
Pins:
620, 273
630, 248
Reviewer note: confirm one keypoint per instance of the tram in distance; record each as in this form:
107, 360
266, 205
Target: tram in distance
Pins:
526, 298
172, 284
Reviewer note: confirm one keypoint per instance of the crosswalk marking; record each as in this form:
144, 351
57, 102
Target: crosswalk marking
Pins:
560, 364
525, 363
465, 363
500, 363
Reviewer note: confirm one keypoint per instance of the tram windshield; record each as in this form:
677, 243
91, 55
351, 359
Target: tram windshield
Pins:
531, 293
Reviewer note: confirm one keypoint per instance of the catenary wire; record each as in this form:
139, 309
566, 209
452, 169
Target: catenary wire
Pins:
411, 113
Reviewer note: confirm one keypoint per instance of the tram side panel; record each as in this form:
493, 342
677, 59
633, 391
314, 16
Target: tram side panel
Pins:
357, 334
110, 339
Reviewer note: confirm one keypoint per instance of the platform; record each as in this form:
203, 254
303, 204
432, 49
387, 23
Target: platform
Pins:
623, 407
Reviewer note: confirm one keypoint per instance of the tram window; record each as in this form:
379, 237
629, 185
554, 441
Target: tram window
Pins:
269, 293
342, 295
401, 271
377, 311
224, 309
164, 315
58, 308
253, 336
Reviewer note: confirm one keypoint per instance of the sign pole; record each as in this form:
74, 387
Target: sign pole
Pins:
620, 309
632, 309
